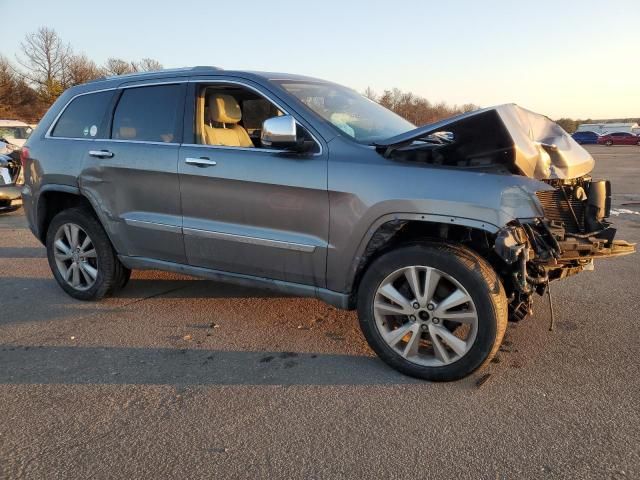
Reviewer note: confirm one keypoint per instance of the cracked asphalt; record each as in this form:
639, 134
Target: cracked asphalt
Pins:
186, 378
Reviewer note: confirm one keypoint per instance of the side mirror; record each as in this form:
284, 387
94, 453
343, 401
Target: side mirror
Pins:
279, 132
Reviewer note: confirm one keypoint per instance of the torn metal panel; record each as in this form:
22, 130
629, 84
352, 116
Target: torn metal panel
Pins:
507, 135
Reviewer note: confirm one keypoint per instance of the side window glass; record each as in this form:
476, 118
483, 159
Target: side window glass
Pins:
231, 116
147, 114
83, 117
256, 111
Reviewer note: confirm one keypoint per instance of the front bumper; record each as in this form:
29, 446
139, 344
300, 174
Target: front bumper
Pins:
573, 232
10, 197
10, 192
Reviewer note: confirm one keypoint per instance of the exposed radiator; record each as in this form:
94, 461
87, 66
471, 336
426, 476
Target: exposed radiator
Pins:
555, 206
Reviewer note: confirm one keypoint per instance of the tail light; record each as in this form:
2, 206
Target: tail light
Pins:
24, 155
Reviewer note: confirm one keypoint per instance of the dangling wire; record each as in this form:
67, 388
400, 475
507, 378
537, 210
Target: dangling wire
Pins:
550, 306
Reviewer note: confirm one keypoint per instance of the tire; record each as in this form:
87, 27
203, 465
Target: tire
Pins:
100, 260
608, 143
122, 277
462, 274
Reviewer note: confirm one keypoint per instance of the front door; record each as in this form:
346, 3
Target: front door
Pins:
248, 209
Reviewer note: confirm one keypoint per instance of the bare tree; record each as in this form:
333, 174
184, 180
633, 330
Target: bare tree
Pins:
7, 89
45, 59
419, 110
81, 69
17, 99
149, 65
118, 66
370, 94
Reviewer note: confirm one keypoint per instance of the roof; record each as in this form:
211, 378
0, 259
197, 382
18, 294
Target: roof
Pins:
198, 70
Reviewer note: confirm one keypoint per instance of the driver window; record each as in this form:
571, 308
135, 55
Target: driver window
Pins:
231, 116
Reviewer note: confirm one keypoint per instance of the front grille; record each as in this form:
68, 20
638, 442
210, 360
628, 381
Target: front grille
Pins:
555, 206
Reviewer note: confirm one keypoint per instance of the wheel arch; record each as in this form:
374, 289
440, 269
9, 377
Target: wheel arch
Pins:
393, 230
53, 199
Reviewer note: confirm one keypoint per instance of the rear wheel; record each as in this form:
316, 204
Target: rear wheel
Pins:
122, 276
435, 312
608, 143
80, 255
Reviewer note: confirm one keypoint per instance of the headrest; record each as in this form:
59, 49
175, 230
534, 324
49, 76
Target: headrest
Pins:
224, 109
127, 133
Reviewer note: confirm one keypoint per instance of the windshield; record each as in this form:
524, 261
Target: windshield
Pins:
19, 133
355, 115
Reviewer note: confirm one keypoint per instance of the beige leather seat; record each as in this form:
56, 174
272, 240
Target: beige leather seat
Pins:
221, 127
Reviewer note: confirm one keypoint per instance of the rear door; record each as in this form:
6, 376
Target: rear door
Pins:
254, 211
131, 176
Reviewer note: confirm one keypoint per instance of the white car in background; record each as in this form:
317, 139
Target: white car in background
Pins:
14, 132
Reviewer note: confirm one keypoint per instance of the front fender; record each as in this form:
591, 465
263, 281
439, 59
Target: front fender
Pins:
364, 196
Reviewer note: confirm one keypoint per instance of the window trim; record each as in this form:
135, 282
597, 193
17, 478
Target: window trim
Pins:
116, 98
48, 134
204, 81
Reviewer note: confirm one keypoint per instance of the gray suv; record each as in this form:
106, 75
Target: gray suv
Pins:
437, 235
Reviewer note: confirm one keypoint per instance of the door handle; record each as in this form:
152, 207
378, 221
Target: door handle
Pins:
101, 153
201, 162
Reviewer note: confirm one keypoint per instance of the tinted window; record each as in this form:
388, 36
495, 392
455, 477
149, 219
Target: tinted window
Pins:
254, 112
83, 117
148, 113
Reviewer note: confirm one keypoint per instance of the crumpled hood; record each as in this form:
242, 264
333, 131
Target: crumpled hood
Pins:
530, 143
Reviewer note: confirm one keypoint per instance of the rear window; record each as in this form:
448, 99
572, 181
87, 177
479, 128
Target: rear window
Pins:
148, 114
83, 117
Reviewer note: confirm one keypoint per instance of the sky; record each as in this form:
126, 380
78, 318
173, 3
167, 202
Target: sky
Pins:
562, 58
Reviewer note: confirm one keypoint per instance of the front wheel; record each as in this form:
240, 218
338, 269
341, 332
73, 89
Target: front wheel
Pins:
432, 311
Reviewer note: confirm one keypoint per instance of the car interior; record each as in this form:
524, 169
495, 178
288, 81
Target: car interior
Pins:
231, 116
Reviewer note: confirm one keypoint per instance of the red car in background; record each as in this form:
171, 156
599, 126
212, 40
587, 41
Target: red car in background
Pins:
619, 138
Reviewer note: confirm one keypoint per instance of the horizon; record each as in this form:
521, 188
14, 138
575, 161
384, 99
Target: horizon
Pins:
444, 55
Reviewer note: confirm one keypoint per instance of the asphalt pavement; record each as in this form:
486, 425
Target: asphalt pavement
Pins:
185, 378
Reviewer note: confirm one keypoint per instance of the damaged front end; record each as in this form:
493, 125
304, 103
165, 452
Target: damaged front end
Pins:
573, 232
504, 138
569, 228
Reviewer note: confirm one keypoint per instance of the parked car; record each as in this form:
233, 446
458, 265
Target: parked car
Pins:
306, 187
10, 181
585, 137
619, 138
15, 132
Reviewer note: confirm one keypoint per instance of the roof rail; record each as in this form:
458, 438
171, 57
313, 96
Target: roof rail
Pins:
198, 68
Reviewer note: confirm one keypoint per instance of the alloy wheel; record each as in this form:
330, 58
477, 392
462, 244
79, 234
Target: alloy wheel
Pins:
75, 256
425, 315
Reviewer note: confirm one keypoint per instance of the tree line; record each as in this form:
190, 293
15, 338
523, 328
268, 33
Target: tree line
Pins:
418, 110
44, 67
